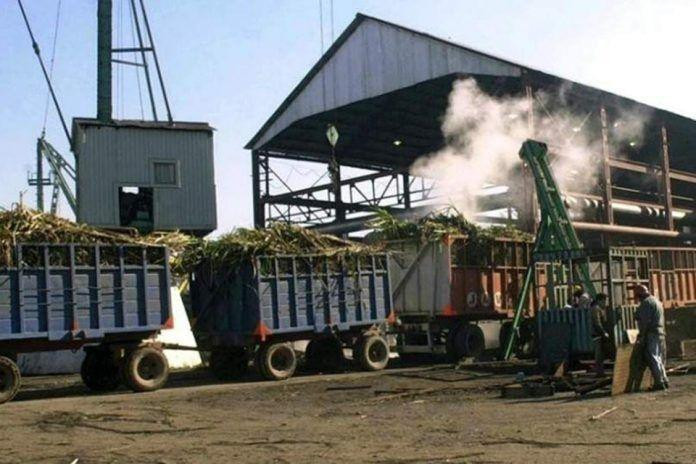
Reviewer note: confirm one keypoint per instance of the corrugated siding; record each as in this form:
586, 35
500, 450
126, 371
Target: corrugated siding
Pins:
379, 58
110, 157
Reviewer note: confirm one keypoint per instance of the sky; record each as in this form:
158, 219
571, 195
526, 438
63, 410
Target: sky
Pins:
232, 62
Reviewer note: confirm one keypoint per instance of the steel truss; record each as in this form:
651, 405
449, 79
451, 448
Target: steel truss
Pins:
393, 190
399, 192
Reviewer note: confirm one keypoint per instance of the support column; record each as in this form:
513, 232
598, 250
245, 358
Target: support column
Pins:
104, 110
335, 176
528, 218
258, 201
407, 190
39, 177
606, 169
666, 181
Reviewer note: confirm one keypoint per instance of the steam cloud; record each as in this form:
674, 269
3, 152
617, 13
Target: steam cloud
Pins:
483, 135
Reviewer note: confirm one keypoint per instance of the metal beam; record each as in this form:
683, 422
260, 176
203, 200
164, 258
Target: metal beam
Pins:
666, 181
259, 212
318, 188
606, 168
157, 66
104, 107
142, 49
644, 168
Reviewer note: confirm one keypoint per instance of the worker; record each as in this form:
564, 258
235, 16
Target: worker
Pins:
650, 316
600, 336
581, 299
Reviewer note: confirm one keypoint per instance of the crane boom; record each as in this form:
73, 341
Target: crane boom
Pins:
555, 234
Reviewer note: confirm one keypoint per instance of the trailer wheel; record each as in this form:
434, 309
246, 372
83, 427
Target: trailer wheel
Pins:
229, 363
504, 335
276, 361
372, 352
146, 369
10, 379
527, 345
465, 340
324, 355
99, 371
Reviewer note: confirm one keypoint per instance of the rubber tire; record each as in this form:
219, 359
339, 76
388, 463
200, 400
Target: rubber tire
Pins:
503, 335
229, 363
269, 353
324, 355
99, 371
151, 381
11, 379
372, 353
527, 346
466, 340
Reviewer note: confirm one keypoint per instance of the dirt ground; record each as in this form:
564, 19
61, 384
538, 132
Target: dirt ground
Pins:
423, 414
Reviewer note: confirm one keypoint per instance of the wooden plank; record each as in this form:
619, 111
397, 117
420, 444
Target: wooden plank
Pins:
630, 371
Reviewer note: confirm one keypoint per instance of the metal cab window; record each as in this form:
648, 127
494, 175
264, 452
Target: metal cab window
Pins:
165, 173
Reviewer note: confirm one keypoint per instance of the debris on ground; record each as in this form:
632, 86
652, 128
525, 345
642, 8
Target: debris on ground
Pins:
603, 413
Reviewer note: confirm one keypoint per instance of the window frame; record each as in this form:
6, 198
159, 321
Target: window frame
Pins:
153, 174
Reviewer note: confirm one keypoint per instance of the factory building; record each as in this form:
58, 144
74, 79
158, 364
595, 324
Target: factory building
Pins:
385, 89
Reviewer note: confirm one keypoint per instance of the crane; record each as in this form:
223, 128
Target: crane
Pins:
62, 174
555, 235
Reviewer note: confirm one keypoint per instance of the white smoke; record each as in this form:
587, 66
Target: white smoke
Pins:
483, 135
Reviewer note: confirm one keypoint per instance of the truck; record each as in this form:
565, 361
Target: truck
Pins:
459, 298
110, 300
256, 309
456, 298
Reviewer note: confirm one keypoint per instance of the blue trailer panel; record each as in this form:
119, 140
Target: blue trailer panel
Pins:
63, 294
289, 297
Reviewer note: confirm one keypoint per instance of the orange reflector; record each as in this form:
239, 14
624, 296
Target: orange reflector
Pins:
169, 324
448, 310
262, 331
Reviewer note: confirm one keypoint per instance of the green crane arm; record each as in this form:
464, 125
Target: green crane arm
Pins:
555, 233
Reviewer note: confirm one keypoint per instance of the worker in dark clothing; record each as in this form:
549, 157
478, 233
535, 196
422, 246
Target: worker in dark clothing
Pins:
600, 336
650, 316
581, 299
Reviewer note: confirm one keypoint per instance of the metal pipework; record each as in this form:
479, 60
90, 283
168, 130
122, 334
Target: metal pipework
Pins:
628, 207
104, 60
614, 229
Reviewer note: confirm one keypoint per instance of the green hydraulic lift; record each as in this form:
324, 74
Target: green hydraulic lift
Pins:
555, 234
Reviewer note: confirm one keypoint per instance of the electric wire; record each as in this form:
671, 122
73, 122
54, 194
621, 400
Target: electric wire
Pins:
321, 26
332, 21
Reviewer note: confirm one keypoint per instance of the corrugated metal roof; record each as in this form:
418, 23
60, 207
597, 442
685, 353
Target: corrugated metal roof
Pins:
175, 125
373, 57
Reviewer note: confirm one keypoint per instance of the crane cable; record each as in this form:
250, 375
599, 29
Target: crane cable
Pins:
37, 52
135, 59
50, 66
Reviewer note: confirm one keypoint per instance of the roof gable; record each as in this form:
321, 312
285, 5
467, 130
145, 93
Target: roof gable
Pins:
370, 58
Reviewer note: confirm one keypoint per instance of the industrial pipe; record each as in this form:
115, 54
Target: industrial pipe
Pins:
614, 229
